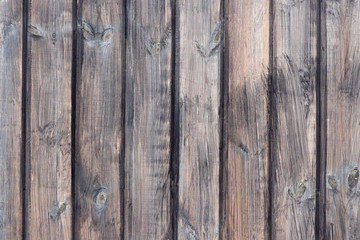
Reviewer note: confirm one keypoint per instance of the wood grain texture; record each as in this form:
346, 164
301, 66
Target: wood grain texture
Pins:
148, 106
10, 120
99, 120
294, 119
245, 167
48, 130
200, 29
343, 154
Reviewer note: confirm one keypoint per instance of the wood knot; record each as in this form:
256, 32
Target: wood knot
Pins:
58, 210
353, 178
333, 182
35, 31
102, 39
214, 42
100, 198
301, 193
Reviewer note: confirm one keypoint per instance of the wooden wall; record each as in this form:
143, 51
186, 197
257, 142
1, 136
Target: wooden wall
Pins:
179, 119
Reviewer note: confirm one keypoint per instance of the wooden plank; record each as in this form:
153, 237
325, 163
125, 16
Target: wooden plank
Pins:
148, 100
200, 45
48, 130
294, 119
343, 154
99, 120
11, 120
245, 167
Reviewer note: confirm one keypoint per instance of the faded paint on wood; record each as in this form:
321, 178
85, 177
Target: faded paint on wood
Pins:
148, 107
48, 130
99, 120
342, 29
200, 29
10, 120
245, 167
294, 119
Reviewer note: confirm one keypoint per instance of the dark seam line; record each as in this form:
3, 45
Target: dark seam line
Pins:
174, 127
222, 121
73, 115
24, 115
123, 122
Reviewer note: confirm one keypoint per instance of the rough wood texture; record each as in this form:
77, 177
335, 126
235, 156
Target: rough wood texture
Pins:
343, 130
48, 130
99, 120
10, 120
245, 167
200, 29
148, 99
294, 119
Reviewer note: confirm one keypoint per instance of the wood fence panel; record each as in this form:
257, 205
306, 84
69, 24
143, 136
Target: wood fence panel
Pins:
11, 120
200, 29
99, 130
48, 120
294, 119
342, 29
245, 168
148, 107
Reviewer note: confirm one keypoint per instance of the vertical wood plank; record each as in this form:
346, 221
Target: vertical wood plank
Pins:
10, 120
245, 167
200, 36
294, 119
148, 100
343, 153
99, 120
49, 205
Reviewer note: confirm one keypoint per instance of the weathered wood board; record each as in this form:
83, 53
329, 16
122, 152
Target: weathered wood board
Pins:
148, 108
99, 120
11, 149
294, 119
48, 120
342, 43
245, 157
200, 35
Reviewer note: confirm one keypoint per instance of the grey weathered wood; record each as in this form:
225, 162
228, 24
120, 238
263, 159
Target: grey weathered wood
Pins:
148, 100
245, 168
48, 130
99, 120
343, 131
10, 120
200, 29
294, 119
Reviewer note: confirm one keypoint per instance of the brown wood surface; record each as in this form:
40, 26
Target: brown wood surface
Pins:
343, 153
294, 119
48, 119
10, 120
200, 29
99, 120
245, 168
148, 107
177, 119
